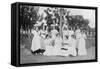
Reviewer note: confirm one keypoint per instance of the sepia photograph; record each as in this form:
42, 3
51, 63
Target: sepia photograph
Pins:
56, 34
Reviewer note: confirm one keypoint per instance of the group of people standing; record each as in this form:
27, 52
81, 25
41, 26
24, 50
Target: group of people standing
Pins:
69, 43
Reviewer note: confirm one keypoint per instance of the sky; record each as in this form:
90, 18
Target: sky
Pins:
86, 13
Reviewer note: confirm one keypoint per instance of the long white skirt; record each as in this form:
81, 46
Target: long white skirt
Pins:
42, 43
82, 47
56, 50
64, 52
35, 44
68, 51
48, 51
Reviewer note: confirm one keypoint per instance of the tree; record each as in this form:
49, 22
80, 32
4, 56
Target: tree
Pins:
28, 16
52, 17
48, 18
75, 21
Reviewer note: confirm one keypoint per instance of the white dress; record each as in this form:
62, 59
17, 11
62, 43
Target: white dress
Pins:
81, 44
35, 41
57, 46
42, 33
53, 33
71, 32
78, 36
71, 48
48, 46
42, 40
65, 31
65, 46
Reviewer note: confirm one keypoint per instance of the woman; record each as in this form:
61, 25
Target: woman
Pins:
42, 39
48, 46
72, 46
65, 46
65, 31
35, 41
54, 33
42, 33
69, 47
81, 44
57, 46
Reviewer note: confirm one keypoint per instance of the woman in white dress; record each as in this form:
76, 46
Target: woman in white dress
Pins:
78, 35
65, 31
57, 46
53, 33
72, 46
48, 46
42, 38
81, 44
42, 33
35, 41
69, 47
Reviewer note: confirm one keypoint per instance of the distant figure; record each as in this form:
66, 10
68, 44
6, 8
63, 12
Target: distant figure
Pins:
35, 41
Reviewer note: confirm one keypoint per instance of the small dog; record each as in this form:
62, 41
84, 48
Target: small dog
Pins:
39, 51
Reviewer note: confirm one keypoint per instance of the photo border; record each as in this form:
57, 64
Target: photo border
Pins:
55, 5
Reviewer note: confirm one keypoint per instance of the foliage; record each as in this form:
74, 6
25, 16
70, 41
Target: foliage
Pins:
75, 21
28, 17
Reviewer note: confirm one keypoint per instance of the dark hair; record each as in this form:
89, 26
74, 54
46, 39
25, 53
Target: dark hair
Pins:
73, 36
48, 35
